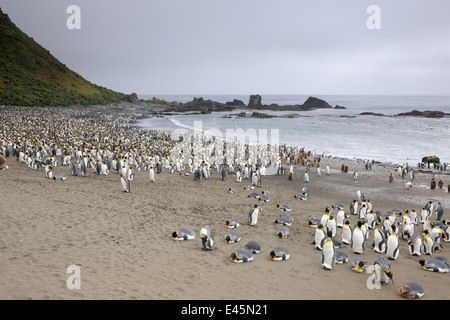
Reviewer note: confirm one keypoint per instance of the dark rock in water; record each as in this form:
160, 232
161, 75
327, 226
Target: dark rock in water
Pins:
204, 110
431, 159
313, 102
201, 105
427, 114
261, 115
371, 114
241, 115
339, 107
254, 101
235, 102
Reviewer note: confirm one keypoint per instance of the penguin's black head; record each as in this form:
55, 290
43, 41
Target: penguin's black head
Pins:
360, 223
422, 262
233, 256
320, 226
280, 234
273, 254
174, 234
228, 239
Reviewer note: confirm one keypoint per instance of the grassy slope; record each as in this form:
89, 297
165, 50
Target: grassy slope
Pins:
30, 75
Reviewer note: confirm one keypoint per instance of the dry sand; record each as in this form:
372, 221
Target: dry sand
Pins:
122, 242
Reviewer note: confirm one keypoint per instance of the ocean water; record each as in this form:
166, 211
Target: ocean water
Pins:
340, 133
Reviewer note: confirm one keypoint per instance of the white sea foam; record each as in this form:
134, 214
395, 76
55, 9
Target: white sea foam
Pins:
344, 133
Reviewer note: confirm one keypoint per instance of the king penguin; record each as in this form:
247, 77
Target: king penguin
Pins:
253, 215
392, 244
340, 218
427, 243
232, 223
232, 237
331, 226
306, 177
328, 254
434, 265
73, 168
319, 235
183, 234
379, 240
242, 255
253, 246
347, 231
439, 212
415, 245
424, 214
283, 232
49, 171
354, 210
125, 183
359, 265
383, 270
413, 216
358, 239
411, 290
207, 238
151, 174
279, 253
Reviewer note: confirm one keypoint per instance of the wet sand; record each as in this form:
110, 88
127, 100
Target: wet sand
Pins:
122, 241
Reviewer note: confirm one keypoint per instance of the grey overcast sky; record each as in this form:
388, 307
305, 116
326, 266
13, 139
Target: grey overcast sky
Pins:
247, 46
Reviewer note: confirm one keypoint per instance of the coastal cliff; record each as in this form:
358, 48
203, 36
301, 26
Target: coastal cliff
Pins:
31, 76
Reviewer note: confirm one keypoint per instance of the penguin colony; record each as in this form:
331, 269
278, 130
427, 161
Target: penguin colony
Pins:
113, 146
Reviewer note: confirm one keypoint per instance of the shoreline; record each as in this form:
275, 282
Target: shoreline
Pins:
122, 241
390, 164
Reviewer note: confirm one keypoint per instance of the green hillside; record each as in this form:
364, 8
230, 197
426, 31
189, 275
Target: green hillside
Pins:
31, 76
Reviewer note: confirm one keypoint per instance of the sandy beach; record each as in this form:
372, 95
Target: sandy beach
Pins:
122, 243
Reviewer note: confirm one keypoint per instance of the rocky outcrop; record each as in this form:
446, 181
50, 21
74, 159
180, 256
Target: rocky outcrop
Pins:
201, 105
133, 98
371, 114
427, 114
254, 101
236, 103
260, 115
311, 103
315, 103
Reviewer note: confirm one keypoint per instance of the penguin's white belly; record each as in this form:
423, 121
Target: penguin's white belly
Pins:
392, 248
358, 242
